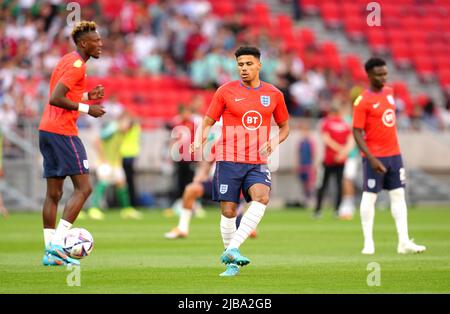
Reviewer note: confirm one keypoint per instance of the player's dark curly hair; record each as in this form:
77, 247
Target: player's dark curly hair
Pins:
81, 28
374, 62
248, 50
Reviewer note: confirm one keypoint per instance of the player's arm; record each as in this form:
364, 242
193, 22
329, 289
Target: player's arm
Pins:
59, 99
275, 141
375, 163
202, 133
281, 117
360, 113
346, 148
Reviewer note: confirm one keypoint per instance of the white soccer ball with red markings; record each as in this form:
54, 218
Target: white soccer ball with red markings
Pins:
78, 243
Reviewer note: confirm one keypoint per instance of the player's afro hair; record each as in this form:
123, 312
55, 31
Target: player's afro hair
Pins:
374, 62
248, 50
81, 28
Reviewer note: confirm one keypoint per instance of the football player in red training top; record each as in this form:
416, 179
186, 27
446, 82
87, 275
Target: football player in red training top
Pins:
374, 129
246, 107
63, 153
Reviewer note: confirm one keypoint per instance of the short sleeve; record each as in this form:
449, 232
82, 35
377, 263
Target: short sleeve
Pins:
72, 76
359, 113
280, 113
217, 105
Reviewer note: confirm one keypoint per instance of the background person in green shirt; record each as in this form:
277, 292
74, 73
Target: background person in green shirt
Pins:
129, 150
109, 171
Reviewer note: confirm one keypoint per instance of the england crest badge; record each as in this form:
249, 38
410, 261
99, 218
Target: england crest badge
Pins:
223, 188
265, 101
391, 99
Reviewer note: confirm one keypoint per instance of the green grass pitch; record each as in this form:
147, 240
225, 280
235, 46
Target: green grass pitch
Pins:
292, 254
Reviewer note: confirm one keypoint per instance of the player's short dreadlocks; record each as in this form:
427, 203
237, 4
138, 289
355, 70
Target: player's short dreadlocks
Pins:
81, 28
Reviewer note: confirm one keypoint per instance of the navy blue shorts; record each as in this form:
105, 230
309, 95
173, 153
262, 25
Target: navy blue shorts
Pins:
394, 177
232, 178
63, 155
207, 189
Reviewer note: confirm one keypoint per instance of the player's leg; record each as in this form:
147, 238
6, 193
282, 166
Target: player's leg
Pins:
347, 208
231, 257
82, 190
339, 173
50, 208
128, 168
123, 196
240, 213
326, 172
104, 174
373, 183
3, 210
227, 182
395, 183
259, 196
191, 193
256, 189
53, 169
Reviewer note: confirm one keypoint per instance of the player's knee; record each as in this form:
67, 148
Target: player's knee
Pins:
86, 190
397, 195
189, 190
55, 195
261, 198
229, 211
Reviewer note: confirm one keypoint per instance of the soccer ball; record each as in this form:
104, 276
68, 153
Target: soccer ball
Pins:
78, 243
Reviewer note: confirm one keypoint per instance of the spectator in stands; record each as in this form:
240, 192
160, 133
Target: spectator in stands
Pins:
305, 96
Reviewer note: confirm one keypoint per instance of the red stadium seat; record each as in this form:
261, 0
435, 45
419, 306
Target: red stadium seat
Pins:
400, 88
309, 6
352, 61
444, 80
307, 36
351, 9
284, 22
223, 8
377, 40
330, 14
425, 68
401, 54
354, 26
329, 49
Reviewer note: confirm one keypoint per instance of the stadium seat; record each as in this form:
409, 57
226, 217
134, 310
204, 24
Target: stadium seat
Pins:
284, 22
330, 14
425, 68
354, 27
310, 7
223, 8
376, 39
329, 49
401, 54
307, 36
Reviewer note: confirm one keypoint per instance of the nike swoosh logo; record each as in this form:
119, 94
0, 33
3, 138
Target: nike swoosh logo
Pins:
375, 106
267, 181
238, 99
